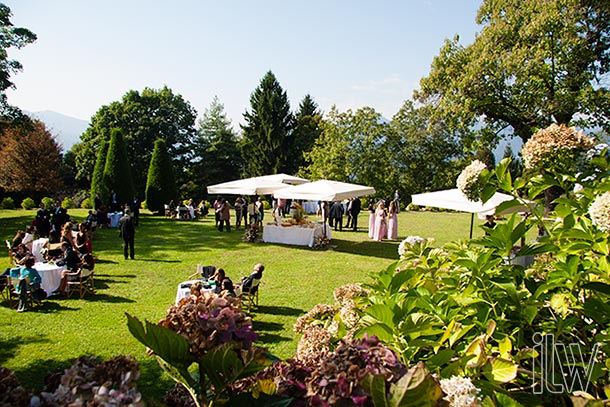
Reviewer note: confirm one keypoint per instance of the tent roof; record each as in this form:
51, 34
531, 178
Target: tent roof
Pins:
456, 200
256, 185
324, 190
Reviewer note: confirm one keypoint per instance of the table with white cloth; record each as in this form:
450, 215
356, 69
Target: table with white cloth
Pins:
38, 248
294, 235
184, 288
50, 273
310, 206
114, 219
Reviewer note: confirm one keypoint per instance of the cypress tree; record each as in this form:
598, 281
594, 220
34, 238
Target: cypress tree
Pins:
161, 184
117, 172
97, 181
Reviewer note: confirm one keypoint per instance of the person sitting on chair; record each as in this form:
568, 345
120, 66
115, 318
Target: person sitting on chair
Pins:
228, 290
71, 260
218, 277
246, 282
29, 281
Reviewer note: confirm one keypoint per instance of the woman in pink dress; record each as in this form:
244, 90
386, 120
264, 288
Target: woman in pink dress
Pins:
392, 221
381, 229
371, 209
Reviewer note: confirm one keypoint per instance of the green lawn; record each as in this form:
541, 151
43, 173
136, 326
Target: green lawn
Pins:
167, 252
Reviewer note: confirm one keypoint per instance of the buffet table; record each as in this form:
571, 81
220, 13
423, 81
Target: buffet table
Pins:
294, 235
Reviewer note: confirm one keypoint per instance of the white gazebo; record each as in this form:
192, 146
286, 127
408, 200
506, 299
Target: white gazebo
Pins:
263, 185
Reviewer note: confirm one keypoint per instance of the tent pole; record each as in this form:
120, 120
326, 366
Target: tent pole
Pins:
471, 223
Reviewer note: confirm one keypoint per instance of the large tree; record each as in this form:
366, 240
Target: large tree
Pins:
143, 117
161, 184
117, 174
10, 37
350, 149
307, 129
98, 186
30, 159
267, 138
216, 150
533, 63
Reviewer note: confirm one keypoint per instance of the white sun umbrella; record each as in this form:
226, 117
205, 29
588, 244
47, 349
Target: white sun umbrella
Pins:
455, 200
263, 185
324, 190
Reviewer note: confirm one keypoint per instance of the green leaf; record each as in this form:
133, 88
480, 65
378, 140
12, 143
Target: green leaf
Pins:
504, 400
415, 389
381, 313
500, 370
597, 286
375, 386
505, 346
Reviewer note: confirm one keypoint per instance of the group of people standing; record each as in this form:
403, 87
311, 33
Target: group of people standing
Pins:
252, 212
383, 223
334, 211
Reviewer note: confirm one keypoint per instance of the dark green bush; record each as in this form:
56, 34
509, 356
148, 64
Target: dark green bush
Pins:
28, 203
8, 203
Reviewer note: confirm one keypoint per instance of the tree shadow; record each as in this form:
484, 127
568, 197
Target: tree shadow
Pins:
102, 261
265, 332
278, 310
383, 249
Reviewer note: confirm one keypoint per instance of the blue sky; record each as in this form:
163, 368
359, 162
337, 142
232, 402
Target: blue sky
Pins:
344, 53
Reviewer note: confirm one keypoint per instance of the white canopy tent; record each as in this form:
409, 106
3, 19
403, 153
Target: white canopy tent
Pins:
454, 199
324, 190
263, 185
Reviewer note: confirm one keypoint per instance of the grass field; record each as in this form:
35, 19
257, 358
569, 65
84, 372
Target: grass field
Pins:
167, 252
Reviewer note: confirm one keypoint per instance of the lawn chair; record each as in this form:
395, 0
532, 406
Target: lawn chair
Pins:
250, 294
11, 258
83, 284
203, 272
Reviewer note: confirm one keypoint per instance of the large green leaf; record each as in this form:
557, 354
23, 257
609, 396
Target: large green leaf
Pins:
500, 370
415, 389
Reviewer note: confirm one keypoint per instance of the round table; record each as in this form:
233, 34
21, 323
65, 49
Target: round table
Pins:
50, 273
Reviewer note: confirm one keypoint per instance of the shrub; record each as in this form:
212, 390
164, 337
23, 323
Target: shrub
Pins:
117, 172
47, 202
8, 203
160, 184
412, 207
266, 205
28, 203
86, 204
67, 203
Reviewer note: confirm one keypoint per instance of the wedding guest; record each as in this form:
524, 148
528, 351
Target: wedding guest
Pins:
239, 213
260, 211
252, 213
392, 221
371, 209
246, 282
228, 291
380, 230
66, 235
43, 221
218, 276
336, 214
21, 254
17, 239
128, 233
82, 242
216, 206
29, 281
355, 211
224, 216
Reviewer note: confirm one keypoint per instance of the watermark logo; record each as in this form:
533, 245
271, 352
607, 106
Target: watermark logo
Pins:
562, 367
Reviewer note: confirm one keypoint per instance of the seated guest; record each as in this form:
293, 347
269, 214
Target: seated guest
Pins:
18, 239
227, 289
66, 235
246, 282
29, 281
73, 264
21, 253
82, 241
218, 277
28, 238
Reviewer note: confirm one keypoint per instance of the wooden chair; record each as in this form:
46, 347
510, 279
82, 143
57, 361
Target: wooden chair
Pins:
250, 294
14, 294
83, 284
11, 258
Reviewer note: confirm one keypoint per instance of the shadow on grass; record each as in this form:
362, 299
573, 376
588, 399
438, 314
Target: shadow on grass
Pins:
265, 331
8, 348
275, 310
156, 260
383, 249
102, 261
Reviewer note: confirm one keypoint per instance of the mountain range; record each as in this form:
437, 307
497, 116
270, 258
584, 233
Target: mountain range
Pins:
67, 129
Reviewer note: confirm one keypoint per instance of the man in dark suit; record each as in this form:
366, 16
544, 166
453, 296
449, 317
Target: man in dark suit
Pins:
355, 207
336, 214
128, 232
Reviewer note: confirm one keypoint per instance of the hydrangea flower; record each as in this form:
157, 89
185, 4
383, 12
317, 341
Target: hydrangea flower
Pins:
408, 242
460, 392
469, 181
556, 145
348, 292
599, 211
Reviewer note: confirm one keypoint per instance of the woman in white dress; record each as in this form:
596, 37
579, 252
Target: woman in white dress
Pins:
392, 221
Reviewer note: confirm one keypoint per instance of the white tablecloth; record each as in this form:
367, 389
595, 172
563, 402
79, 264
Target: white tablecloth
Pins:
184, 289
50, 275
114, 219
293, 235
37, 248
310, 207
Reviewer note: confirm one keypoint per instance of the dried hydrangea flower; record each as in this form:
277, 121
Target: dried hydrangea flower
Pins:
460, 392
469, 180
320, 314
348, 292
314, 344
556, 145
599, 211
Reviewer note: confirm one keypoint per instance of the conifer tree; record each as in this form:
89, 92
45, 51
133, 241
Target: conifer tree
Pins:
161, 184
267, 137
307, 129
117, 172
97, 181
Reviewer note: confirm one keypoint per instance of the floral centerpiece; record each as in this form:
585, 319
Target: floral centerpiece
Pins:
299, 214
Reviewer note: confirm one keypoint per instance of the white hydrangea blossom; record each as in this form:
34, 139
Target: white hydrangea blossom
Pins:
408, 242
460, 392
600, 212
468, 180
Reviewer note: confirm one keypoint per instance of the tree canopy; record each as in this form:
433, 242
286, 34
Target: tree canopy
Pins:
161, 184
306, 130
143, 117
533, 63
267, 137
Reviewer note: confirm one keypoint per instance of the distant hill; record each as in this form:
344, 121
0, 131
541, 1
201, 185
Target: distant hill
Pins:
67, 129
